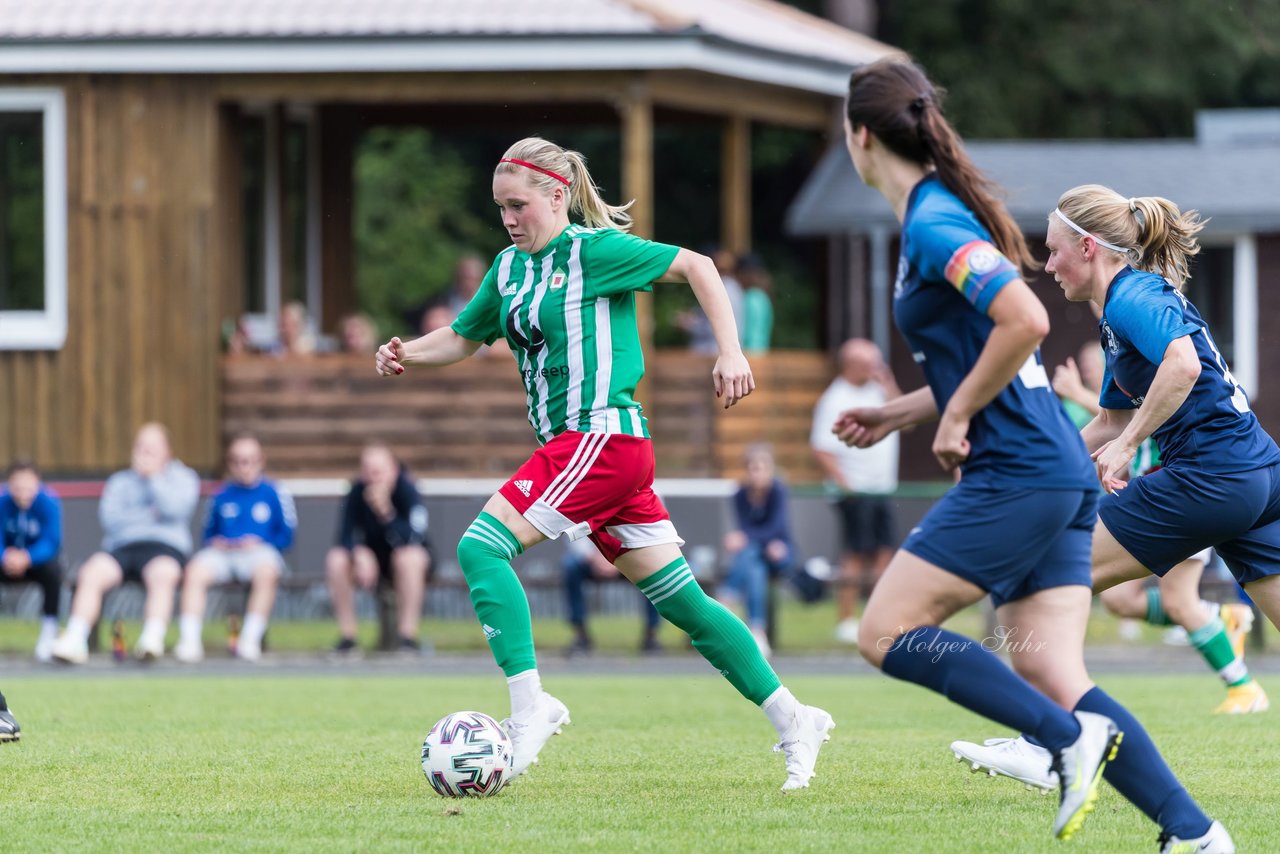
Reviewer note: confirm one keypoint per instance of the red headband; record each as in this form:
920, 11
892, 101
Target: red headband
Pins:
526, 164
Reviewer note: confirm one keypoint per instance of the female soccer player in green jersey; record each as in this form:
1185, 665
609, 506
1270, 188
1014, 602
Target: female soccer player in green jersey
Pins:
563, 297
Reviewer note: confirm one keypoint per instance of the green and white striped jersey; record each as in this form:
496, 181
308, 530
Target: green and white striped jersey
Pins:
569, 314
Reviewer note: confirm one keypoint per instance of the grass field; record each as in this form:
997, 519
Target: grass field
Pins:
257, 763
802, 629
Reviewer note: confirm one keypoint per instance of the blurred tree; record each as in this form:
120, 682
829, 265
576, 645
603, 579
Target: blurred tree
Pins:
413, 219
1090, 68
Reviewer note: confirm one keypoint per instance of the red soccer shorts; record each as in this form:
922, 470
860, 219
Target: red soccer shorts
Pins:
593, 484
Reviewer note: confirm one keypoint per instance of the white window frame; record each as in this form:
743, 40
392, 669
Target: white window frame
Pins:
46, 329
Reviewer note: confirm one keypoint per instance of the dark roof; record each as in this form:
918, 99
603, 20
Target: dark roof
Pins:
1236, 186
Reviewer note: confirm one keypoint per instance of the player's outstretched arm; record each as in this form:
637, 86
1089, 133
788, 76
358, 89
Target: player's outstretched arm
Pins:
731, 375
863, 427
441, 347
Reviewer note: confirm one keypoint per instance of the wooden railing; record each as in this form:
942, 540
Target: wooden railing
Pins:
468, 420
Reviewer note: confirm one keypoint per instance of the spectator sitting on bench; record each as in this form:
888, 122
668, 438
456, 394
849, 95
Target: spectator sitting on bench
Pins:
760, 547
251, 522
582, 562
382, 534
31, 520
145, 513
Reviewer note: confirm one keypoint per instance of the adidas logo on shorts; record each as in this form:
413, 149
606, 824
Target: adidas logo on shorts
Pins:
489, 631
524, 486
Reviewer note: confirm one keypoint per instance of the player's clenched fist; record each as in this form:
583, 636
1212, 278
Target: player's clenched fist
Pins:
387, 362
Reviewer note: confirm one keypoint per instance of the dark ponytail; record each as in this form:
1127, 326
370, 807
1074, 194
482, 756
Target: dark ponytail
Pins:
895, 101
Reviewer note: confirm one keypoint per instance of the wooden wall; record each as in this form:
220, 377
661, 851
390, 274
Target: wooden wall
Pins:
469, 420
144, 277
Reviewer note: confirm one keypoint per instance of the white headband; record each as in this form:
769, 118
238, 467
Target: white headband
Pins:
1125, 252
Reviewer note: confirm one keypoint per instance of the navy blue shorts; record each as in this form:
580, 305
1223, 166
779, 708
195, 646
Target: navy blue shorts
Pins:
1009, 542
1164, 517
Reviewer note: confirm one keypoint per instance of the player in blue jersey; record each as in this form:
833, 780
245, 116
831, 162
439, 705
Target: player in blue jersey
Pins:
1018, 525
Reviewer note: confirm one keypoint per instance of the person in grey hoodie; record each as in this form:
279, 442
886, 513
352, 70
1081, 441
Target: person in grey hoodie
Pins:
146, 515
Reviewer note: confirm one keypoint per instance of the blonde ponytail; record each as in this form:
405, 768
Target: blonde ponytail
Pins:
549, 166
1152, 233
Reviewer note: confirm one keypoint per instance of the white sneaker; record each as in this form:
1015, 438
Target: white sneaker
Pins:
762, 641
1010, 757
189, 653
847, 631
531, 728
149, 649
801, 743
1080, 766
70, 651
44, 648
248, 652
1216, 841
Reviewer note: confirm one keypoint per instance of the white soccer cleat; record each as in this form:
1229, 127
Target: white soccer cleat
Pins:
149, 649
810, 729
1216, 841
1080, 766
847, 631
189, 653
531, 728
70, 651
1018, 758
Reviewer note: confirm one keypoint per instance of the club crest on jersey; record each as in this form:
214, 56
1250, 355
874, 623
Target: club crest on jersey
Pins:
1109, 339
558, 279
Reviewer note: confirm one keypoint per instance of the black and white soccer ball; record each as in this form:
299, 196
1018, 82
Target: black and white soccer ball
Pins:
467, 754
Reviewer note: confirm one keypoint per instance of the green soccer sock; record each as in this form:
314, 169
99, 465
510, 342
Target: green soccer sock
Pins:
1212, 642
485, 553
1156, 615
717, 634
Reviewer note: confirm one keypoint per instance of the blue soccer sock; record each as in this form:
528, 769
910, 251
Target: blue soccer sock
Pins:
965, 673
1140, 774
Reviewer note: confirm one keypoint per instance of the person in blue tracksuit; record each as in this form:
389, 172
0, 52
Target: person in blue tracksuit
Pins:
250, 526
1018, 525
31, 524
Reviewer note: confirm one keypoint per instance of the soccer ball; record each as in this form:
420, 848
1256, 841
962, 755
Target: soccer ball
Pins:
467, 754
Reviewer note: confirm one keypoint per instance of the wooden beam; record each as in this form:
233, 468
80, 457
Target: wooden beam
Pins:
687, 90
337, 203
760, 102
636, 111
420, 87
735, 185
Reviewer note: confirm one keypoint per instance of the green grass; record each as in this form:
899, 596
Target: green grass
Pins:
803, 629
256, 763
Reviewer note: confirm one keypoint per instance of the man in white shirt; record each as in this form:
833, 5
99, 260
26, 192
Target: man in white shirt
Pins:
861, 478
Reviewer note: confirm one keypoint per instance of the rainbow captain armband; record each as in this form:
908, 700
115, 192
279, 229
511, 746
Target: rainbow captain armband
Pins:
977, 270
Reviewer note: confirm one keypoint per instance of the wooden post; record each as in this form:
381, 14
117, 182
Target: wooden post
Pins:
636, 109
735, 185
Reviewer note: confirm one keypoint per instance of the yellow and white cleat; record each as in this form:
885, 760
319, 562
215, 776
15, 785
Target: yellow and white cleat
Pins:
1246, 699
1238, 620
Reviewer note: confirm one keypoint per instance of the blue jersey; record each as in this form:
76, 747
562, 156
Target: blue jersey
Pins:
1214, 429
37, 530
262, 510
948, 274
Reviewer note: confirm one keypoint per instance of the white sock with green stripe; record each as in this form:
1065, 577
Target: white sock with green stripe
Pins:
717, 634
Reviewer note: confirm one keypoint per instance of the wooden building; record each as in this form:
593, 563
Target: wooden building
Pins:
139, 117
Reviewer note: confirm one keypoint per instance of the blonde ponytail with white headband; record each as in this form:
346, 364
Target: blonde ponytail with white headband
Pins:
1151, 233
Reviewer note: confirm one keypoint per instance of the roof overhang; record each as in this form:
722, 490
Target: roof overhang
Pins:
1237, 187
523, 54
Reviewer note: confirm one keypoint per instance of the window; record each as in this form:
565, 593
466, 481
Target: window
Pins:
33, 219
279, 198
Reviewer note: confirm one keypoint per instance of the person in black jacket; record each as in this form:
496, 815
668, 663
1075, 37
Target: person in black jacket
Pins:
382, 533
